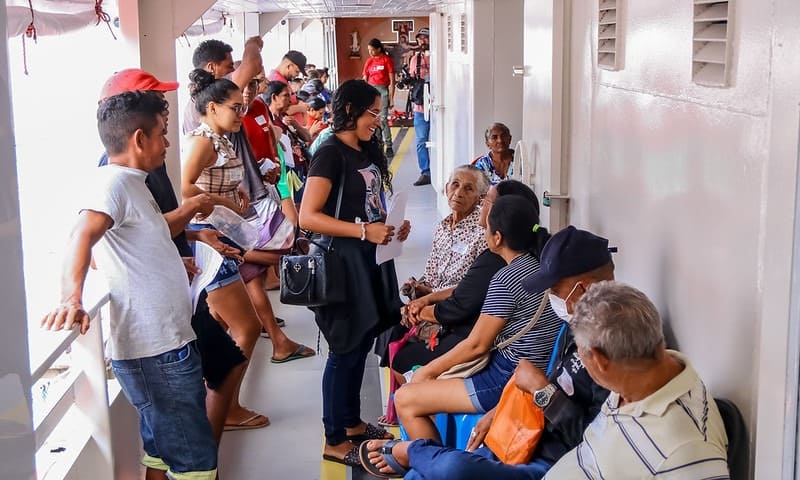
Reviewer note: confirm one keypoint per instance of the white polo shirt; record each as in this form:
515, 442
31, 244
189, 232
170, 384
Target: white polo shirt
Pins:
675, 433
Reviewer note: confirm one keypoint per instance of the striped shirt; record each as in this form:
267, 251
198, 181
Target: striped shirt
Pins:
675, 433
507, 299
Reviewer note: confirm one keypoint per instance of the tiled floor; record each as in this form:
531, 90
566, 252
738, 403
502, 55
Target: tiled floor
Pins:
290, 448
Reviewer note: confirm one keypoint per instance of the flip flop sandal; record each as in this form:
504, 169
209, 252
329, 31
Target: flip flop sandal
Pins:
372, 432
385, 450
246, 424
301, 352
383, 421
351, 459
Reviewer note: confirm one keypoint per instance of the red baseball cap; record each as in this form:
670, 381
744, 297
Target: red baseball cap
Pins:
132, 79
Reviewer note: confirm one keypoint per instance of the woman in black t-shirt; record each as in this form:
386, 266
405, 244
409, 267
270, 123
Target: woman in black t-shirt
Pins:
373, 303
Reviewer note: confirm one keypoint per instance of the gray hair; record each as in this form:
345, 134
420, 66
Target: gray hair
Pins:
619, 321
481, 181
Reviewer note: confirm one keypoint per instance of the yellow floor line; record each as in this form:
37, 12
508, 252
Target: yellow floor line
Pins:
399, 156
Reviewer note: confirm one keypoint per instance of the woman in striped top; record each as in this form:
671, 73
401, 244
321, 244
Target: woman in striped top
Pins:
512, 232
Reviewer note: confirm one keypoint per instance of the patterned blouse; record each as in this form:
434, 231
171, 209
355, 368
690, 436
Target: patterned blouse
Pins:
485, 163
222, 178
454, 250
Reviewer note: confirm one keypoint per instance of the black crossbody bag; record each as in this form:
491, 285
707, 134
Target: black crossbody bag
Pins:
317, 278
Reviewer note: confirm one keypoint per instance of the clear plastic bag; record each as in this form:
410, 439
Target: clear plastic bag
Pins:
233, 226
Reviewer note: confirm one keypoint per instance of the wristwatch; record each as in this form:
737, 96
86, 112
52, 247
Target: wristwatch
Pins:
542, 397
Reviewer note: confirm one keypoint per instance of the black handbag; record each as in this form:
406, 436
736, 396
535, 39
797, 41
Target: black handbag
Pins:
318, 277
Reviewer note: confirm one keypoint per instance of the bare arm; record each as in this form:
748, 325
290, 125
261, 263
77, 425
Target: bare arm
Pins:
300, 107
89, 230
178, 219
313, 218
251, 62
479, 341
302, 131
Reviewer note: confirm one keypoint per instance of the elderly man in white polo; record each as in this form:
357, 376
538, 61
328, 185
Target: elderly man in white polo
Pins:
660, 420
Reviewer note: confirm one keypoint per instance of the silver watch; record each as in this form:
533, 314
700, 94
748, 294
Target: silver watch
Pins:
542, 397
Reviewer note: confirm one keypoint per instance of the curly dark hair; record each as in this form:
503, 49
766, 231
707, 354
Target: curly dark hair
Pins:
352, 100
204, 88
210, 51
121, 115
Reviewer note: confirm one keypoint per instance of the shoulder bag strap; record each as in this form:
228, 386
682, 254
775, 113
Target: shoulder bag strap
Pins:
341, 182
527, 327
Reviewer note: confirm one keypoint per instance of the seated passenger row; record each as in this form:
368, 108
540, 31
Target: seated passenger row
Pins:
531, 311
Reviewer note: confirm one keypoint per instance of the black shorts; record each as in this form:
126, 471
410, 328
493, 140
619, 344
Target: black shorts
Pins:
219, 354
417, 353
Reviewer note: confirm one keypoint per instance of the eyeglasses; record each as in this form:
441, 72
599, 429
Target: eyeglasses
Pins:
238, 108
378, 115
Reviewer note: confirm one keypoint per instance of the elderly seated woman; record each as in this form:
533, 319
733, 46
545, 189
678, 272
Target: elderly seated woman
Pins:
455, 310
458, 239
514, 324
498, 163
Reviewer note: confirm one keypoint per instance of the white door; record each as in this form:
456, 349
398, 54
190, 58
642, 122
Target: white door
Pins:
542, 159
435, 108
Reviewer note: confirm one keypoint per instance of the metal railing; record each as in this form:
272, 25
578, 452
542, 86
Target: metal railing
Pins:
77, 406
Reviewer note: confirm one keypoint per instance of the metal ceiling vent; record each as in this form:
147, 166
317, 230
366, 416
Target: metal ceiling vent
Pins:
711, 42
609, 35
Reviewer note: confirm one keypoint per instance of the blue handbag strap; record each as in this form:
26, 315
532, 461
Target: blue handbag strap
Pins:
553, 355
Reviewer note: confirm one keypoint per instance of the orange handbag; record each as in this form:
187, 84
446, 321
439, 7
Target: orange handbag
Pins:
517, 426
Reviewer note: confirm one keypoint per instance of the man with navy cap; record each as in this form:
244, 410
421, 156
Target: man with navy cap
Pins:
571, 261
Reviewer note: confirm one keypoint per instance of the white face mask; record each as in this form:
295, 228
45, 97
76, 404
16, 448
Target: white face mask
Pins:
559, 306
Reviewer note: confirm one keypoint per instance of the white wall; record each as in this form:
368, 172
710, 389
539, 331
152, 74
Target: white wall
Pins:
677, 176
475, 87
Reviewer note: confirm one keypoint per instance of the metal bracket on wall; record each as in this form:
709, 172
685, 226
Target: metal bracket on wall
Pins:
547, 197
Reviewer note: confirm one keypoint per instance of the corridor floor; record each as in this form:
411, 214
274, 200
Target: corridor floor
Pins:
290, 394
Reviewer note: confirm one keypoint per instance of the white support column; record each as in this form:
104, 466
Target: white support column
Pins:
17, 443
150, 27
250, 25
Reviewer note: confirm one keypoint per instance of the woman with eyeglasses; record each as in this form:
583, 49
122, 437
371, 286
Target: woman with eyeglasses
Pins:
210, 165
373, 304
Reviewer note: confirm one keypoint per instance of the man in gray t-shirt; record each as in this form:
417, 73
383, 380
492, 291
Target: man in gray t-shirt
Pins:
153, 350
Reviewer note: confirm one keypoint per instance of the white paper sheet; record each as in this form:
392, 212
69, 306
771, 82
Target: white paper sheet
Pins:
288, 156
208, 261
395, 218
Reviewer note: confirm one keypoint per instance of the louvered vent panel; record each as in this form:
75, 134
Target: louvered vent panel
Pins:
609, 41
711, 43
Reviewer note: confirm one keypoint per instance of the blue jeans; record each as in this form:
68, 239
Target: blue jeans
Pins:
422, 131
485, 387
341, 391
170, 396
385, 100
430, 461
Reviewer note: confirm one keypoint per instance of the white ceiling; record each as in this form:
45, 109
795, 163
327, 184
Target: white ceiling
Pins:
332, 8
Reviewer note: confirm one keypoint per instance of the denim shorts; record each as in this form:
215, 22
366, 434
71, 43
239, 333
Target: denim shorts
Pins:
228, 271
485, 387
170, 396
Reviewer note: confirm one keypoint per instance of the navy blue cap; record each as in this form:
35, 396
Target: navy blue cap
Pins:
568, 253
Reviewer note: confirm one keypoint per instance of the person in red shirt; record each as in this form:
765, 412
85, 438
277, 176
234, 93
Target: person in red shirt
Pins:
291, 66
379, 72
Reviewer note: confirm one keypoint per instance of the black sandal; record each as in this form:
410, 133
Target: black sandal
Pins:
351, 458
372, 432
